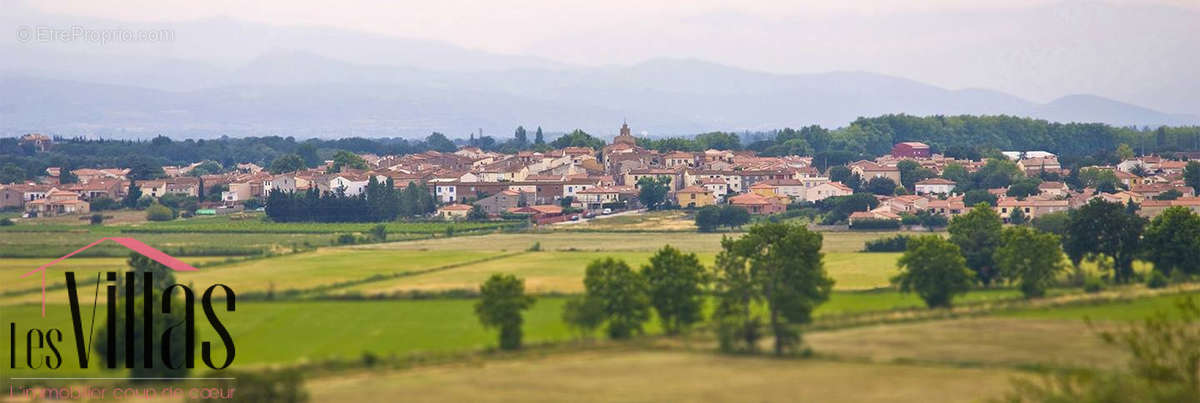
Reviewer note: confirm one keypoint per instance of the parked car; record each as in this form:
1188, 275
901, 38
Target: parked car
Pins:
606, 211
589, 214
575, 217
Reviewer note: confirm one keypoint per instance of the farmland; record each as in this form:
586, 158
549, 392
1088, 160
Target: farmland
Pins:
302, 298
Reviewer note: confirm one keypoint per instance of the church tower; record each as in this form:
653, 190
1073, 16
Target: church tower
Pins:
625, 137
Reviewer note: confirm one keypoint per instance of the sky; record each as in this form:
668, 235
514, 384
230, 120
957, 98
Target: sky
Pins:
1144, 52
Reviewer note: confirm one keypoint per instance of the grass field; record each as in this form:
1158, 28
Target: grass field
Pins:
1117, 311
842, 242
972, 342
928, 360
563, 271
294, 332
667, 376
55, 244
11, 270
297, 271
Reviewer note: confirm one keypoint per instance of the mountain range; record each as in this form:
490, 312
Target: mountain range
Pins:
417, 87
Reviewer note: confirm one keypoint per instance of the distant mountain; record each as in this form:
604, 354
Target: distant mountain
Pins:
302, 94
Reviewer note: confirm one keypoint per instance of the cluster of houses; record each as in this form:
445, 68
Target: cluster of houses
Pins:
541, 184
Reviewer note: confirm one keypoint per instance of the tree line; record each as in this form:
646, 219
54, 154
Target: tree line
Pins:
769, 281
379, 201
775, 266
963, 136
980, 251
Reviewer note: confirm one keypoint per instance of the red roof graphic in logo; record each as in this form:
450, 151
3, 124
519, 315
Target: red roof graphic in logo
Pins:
133, 244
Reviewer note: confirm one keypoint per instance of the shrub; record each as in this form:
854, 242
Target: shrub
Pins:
4, 222
537, 247
874, 223
345, 239
97, 219
1093, 284
379, 233
897, 243
1156, 280
104, 203
158, 212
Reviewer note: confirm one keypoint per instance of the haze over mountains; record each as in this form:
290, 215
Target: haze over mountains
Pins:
346, 83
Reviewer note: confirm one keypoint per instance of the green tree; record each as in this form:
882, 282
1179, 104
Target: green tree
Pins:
708, 218
143, 167
779, 264
622, 294
734, 216
1031, 258
676, 285
1024, 187
158, 212
520, 136
501, 300
12, 173
1172, 241
438, 142
1100, 228
955, 172
1054, 223
652, 192
538, 137
973, 197
1170, 194
1191, 175
308, 152
977, 234
935, 269
207, 167
345, 159
65, 176
583, 314
1017, 217
287, 163
718, 141
477, 214
1124, 152
911, 172
845, 176
881, 186
132, 195
577, 138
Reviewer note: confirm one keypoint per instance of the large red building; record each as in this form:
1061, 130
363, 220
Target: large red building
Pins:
910, 149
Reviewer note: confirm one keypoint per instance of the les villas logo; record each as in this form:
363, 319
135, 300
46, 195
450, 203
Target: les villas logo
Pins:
44, 348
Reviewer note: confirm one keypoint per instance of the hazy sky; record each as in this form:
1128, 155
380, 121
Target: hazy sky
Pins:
1145, 52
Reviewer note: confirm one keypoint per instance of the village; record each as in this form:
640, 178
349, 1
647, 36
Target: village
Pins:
573, 182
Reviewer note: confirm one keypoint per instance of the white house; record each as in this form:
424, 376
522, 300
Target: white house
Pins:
935, 186
828, 189
445, 192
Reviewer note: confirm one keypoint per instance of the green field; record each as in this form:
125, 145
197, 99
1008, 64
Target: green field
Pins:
405, 326
294, 332
611, 241
11, 270
563, 271
1127, 310
917, 357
